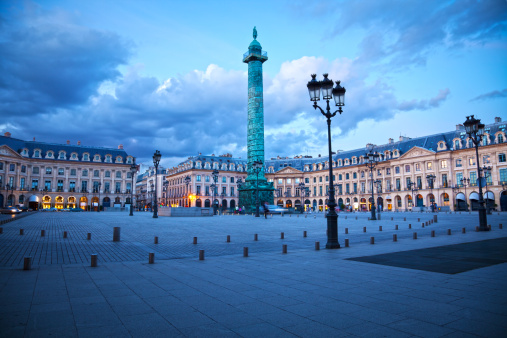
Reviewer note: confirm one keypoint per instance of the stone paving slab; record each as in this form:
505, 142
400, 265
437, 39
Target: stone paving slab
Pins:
304, 293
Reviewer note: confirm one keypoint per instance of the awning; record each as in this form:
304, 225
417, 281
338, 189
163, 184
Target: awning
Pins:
33, 198
474, 196
460, 196
489, 195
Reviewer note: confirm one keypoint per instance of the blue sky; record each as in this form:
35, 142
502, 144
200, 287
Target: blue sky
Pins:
168, 75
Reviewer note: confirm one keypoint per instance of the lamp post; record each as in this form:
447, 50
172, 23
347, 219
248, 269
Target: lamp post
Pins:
465, 182
371, 162
257, 166
338, 93
413, 186
187, 182
166, 191
379, 191
133, 171
214, 173
156, 160
431, 180
98, 204
475, 130
301, 192
487, 173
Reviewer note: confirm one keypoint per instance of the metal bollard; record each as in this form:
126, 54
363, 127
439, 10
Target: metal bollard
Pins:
435, 218
346, 242
396, 227
42, 233
27, 263
2, 229
228, 238
65, 234
500, 226
364, 229
282, 235
422, 225
93, 260
432, 233
314, 216
151, 258
404, 219
356, 218
305, 216
395, 238
392, 218
410, 226
195, 240
317, 246
372, 240
284, 248
346, 230
477, 229
418, 220
116, 234
415, 235
380, 228
89, 236
201, 255
345, 217
463, 230
256, 237
155, 240
21, 231
448, 231
245, 251
304, 233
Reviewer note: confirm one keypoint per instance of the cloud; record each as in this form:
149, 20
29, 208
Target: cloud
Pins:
496, 94
47, 61
434, 102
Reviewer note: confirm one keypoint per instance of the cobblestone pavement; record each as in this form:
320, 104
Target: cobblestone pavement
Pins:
176, 234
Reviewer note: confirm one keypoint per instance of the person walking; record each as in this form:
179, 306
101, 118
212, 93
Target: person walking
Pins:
266, 210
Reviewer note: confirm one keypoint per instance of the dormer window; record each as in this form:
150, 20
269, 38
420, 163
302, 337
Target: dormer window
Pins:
61, 155
119, 159
50, 154
96, 158
108, 159
74, 156
86, 157
36, 153
25, 152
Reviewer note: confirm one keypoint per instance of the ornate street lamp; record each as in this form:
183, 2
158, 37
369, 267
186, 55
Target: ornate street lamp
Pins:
413, 186
475, 130
378, 183
372, 159
187, 182
98, 204
166, 191
156, 160
257, 166
214, 173
338, 93
302, 189
487, 173
431, 181
133, 171
464, 183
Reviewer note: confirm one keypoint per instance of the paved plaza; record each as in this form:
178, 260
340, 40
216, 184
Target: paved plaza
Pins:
447, 285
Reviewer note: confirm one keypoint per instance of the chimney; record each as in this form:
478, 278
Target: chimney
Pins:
390, 140
120, 146
7, 134
68, 141
319, 155
78, 143
498, 119
34, 138
460, 127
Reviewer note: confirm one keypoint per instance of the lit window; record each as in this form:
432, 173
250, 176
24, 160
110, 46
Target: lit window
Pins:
443, 164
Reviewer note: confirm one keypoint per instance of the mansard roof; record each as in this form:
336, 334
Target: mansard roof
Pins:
18, 146
402, 146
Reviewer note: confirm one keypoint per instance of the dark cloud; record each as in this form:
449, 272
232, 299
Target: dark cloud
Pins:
48, 62
425, 104
496, 94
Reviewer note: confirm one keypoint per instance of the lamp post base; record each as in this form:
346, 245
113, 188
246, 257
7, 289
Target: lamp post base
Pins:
332, 245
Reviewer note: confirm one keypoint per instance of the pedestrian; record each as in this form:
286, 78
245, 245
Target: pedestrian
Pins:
266, 210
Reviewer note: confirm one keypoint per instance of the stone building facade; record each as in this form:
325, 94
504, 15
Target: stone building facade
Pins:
46, 175
400, 177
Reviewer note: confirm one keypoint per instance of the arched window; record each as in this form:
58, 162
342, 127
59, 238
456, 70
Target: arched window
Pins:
456, 144
500, 138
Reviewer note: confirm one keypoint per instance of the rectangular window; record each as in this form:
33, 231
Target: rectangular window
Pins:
35, 185
459, 177
107, 187
429, 166
72, 172
489, 180
117, 187
503, 176
23, 168
315, 180
232, 180
396, 170
224, 191
35, 170
320, 179
59, 186
458, 162
296, 181
473, 178
207, 190
22, 183
307, 180
379, 172
407, 168
12, 167
84, 186
198, 192
443, 164
1, 166
320, 191
388, 185
419, 182
398, 184
72, 186
280, 181
49, 170
340, 190
327, 178
363, 187
388, 171
501, 158
417, 167
224, 179
486, 159
347, 189
444, 181
198, 178
471, 161
232, 191
47, 185
314, 191
61, 171
408, 182
289, 181
206, 178
355, 188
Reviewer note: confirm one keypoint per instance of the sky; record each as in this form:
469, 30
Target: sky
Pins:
168, 75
